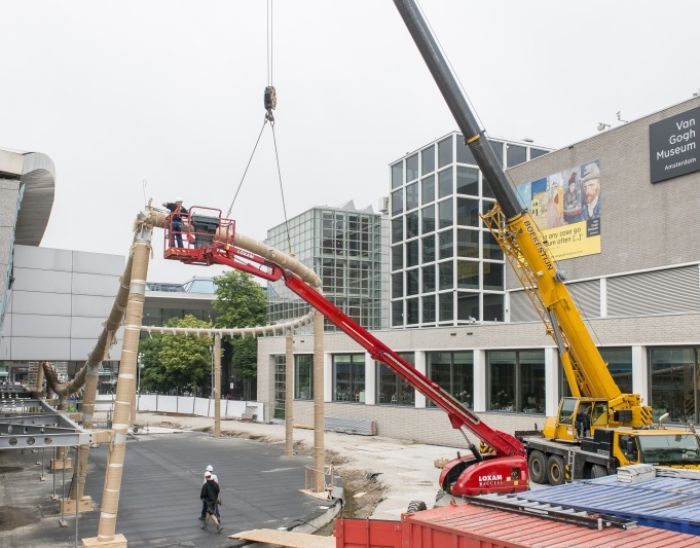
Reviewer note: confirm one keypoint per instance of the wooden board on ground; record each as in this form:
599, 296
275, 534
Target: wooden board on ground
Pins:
285, 538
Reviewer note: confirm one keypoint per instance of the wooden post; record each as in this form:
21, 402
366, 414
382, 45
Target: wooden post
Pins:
289, 397
217, 385
319, 415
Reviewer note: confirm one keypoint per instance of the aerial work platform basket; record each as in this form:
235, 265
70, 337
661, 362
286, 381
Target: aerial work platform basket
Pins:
197, 233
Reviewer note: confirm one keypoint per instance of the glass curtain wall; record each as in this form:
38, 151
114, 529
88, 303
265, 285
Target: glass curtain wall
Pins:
516, 381
674, 382
454, 372
349, 378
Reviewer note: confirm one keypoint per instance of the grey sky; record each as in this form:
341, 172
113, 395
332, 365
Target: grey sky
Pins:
171, 92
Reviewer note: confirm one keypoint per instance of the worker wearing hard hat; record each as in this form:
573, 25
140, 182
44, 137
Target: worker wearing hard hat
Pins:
177, 211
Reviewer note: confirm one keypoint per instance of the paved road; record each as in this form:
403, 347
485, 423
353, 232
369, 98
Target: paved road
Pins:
159, 501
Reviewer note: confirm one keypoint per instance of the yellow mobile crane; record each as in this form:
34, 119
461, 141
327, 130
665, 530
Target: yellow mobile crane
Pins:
620, 424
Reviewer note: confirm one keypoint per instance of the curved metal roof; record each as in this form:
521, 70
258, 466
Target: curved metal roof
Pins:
37, 173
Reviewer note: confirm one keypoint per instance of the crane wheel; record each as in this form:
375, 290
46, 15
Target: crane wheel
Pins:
537, 466
416, 506
598, 471
555, 470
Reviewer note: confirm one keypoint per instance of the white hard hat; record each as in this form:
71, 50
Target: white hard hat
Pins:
210, 468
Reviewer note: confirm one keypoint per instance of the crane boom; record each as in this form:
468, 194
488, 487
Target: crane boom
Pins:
526, 248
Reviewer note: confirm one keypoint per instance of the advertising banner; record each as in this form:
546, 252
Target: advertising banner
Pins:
566, 208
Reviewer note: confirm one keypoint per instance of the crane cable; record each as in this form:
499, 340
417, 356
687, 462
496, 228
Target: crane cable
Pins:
270, 103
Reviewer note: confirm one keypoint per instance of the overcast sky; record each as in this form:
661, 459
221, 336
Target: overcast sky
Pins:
171, 92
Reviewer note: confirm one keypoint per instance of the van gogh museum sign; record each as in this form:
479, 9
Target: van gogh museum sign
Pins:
673, 146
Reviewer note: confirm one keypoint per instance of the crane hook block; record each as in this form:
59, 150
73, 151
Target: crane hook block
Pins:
270, 98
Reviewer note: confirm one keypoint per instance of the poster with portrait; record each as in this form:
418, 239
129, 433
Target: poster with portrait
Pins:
566, 207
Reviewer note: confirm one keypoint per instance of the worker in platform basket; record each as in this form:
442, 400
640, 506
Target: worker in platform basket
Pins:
177, 211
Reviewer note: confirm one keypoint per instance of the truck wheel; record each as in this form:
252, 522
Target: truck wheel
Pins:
416, 506
598, 471
537, 465
555, 470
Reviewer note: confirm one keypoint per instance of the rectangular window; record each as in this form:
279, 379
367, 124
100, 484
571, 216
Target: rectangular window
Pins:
349, 377
397, 175
412, 225
493, 308
397, 257
411, 282
428, 218
467, 274
445, 152
464, 153
515, 155
493, 276
516, 381
429, 309
468, 212
619, 362
537, 152
454, 372
304, 376
446, 307
411, 196
468, 306
279, 362
446, 281
397, 285
428, 189
467, 180
468, 243
427, 157
445, 183
397, 313
396, 230
428, 278
412, 253
428, 248
412, 311
411, 167
445, 216
445, 242
674, 383
397, 202
392, 389
491, 248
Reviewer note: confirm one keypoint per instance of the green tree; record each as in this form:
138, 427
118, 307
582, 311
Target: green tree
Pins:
177, 361
240, 302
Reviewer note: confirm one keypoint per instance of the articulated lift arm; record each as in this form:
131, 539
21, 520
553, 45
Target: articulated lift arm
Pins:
525, 247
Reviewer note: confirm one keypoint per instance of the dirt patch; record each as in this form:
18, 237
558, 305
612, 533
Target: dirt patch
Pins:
363, 492
11, 517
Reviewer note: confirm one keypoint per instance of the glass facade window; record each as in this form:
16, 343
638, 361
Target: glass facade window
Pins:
397, 202
493, 276
304, 376
428, 278
397, 285
428, 248
445, 244
446, 307
467, 180
392, 389
397, 230
468, 243
492, 250
468, 212
412, 316
445, 216
537, 152
428, 218
397, 257
412, 253
411, 167
412, 225
619, 362
468, 306
397, 175
467, 274
445, 183
454, 372
493, 307
445, 152
516, 381
279, 363
464, 153
397, 313
428, 189
675, 387
349, 377
427, 157
412, 281
429, 309
516, 154
446, 278
412, 196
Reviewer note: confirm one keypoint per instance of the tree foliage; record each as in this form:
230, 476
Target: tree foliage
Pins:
176, 361
240, 302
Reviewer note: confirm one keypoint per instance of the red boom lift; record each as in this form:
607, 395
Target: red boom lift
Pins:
502, 471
